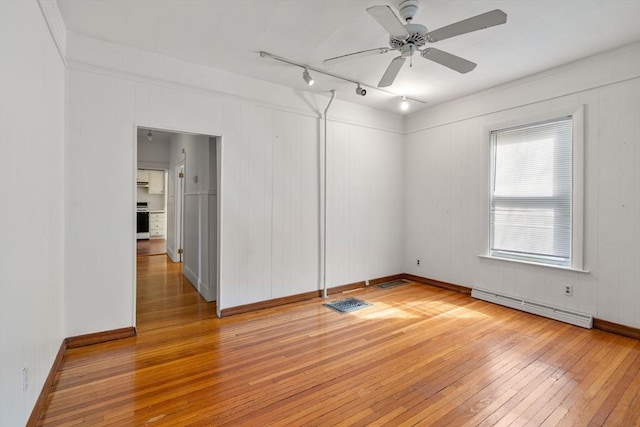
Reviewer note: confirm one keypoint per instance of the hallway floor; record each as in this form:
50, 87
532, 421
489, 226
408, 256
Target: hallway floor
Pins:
165, 297
151, 247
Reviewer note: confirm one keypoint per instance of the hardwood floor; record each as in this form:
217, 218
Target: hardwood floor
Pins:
165, 297
151, 247
418, 356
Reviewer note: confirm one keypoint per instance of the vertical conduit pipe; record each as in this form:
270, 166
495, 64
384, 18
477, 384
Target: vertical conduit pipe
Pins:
323, 243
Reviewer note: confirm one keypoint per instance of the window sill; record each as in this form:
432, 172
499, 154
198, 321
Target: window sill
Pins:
559, 267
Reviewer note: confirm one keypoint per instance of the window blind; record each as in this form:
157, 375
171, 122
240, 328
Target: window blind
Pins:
531, 204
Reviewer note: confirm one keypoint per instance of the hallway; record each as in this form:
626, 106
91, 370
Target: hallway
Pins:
165, 297
151, 247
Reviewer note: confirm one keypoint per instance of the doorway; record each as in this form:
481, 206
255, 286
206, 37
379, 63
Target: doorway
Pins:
151, 208
192, 166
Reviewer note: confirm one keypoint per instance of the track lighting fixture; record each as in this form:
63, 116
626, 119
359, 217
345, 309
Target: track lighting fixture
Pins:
360, 89
404, 105
149, 136
307, 77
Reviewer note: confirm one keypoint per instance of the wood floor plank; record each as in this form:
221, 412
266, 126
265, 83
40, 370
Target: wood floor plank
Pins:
482, 404
418, 356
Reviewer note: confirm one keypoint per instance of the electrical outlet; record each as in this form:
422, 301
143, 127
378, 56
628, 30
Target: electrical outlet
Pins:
417, 262
568, 290
25, 379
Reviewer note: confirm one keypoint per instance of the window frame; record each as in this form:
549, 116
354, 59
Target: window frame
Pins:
576, 114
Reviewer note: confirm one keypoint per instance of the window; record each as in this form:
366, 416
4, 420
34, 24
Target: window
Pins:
533, 193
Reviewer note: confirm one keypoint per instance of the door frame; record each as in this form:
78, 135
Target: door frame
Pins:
218, 138
178, 200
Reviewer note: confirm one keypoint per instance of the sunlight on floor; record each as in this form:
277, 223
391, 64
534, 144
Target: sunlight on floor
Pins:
415, 310
383, 311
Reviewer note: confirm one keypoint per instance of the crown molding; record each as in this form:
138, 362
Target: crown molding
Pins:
58, 30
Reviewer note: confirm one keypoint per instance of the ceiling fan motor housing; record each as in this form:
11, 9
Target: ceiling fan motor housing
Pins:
417, 37
408, 9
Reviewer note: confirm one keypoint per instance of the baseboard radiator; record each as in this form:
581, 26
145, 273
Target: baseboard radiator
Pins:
561, 314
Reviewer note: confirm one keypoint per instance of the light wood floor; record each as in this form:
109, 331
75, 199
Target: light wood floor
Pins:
418, 356
151, 247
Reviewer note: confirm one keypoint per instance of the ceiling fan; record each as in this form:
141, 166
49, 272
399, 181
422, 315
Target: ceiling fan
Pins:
410, 38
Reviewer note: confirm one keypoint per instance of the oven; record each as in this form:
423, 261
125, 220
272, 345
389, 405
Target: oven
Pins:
142, 215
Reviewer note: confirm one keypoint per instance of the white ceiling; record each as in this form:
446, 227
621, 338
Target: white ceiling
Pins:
228, 35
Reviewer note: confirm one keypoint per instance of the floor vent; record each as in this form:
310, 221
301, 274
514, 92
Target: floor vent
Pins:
561, 314
347, 305
392, 284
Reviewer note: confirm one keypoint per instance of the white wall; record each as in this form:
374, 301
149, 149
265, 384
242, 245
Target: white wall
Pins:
269, 178
155, 201
365, 206
446, 183
32, 214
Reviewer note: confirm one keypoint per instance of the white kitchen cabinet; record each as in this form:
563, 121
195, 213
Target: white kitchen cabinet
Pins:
142, 176
156, 182
157, 226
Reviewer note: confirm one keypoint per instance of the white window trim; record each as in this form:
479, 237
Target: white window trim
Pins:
519, 261
577, 197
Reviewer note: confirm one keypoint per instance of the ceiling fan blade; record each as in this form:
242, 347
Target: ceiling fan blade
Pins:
456, 63
385, 17
341, 58
479, 22
392, 71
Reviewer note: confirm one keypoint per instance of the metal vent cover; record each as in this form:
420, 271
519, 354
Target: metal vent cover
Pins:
347, 305
392, 284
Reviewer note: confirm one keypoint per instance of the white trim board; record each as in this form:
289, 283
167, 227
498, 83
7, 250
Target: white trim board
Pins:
533, 307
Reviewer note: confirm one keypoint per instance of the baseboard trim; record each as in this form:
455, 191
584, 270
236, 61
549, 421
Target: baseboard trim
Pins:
100, 337
616, 328
386, 279
261, 305
344, 288
437, 283
36, 412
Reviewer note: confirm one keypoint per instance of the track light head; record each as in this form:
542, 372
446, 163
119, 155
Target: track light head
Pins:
307, 77
149, 136
404, 104
360, 91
